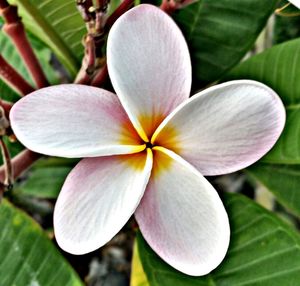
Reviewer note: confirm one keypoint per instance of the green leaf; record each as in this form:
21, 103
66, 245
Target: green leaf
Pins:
138, 276
279, 68
10, 53
219, 33
286, 28
27, 256
45, 182
263, 251
282, 180
59, 25
46, 178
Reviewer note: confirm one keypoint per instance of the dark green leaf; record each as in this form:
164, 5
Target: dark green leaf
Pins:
27, 256
10, 53
282, 180
263, 251
219, 33
59, 25
46, 178
45, 182
286, 28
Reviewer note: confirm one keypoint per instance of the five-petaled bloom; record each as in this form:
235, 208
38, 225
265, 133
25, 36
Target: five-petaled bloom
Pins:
150, 146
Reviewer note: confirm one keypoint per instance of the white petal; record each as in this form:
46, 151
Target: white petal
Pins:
296, 3
182, 217
74, 121
98, 198
149, 66
224, 128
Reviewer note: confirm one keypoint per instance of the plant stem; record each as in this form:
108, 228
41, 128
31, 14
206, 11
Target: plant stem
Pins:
94, 70
88, 62
20, 163
8, 170
6, 105
13, 78
170, 6
84, 7
100, 17
3, 4
102, 74
15, 30
124, 6
94, 17
100, 77
167, 6
87, 11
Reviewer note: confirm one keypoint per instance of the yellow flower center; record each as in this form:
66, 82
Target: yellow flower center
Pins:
157, 142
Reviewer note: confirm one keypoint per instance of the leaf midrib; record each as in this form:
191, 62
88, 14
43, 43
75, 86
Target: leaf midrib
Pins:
50, 33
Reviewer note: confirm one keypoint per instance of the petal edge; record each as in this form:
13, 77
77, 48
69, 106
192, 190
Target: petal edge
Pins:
94, 205
149, 66
224, 128
182, 217
72, 120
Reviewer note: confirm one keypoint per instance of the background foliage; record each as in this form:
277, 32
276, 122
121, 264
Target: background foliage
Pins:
221, 35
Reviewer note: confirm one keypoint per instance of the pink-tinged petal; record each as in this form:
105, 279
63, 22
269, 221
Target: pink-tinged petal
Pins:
98, 198
296, 3
182, 217
149, 66
74, 121
224, 128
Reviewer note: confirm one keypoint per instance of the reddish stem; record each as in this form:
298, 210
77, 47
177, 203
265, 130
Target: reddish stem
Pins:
101, 4
85, 75
20, 163
13, 78
82, 77
15, 29
170, 6
87, 11
88, 63
100, 19
90, 46
102, 74
3, 4
8, 170
124, 6
6, 105
83, 7
100, 77
94, 16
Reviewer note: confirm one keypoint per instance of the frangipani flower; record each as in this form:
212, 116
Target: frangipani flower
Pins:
148, 147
